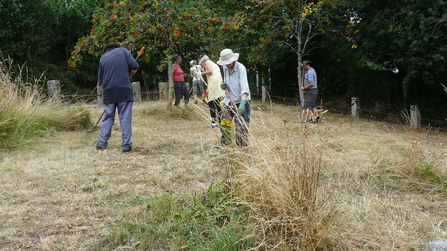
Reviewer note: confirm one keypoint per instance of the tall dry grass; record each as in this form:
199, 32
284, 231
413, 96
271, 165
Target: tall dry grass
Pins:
24, 110
280, 182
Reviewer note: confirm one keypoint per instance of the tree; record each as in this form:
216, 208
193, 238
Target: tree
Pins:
164, 27
29, 28
42, 33
279, 25
406, 35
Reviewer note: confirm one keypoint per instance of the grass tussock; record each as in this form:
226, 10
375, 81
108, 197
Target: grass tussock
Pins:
25, 112
281, 185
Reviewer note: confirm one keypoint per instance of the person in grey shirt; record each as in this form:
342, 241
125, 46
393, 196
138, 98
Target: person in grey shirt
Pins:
116, 66
237, 90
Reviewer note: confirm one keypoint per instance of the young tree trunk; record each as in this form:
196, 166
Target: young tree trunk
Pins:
170, 84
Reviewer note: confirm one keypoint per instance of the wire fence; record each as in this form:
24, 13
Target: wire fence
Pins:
364, 113
340, 109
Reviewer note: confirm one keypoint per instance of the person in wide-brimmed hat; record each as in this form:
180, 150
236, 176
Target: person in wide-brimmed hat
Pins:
237, 90
227, 56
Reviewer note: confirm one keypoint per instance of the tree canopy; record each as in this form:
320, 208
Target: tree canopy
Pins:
406, 35
354, 44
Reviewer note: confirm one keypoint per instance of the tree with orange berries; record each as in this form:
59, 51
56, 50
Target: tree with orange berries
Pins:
164, 27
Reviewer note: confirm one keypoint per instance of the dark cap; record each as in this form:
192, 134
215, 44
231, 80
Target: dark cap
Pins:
305, 62
110, 47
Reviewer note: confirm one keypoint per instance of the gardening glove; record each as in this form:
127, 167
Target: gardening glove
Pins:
223, 86
241, 108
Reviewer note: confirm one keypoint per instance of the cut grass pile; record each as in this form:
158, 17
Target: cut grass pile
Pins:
25, 113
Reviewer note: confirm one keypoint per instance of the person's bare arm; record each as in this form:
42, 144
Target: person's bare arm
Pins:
132, 72
208, 68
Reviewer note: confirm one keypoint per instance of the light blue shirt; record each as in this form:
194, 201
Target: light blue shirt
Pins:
311, 76
237, 83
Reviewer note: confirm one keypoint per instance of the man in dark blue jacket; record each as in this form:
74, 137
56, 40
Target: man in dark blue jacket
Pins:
116, 66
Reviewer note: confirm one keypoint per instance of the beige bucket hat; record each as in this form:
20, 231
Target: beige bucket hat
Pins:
227, 56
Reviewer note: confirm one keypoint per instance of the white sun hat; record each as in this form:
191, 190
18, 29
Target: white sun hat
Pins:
227, 56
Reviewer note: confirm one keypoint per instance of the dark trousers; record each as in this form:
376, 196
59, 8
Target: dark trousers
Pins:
215, 110
181, 89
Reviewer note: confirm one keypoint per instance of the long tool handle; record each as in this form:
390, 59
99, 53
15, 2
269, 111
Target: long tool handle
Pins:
236, 111
140, 53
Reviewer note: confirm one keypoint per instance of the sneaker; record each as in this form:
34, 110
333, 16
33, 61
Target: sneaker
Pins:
98, 147
212, 126
309, 121
219, 145
127, 150
317, 120
195, 102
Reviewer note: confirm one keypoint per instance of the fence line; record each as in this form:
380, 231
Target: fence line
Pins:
362, 112
356, 111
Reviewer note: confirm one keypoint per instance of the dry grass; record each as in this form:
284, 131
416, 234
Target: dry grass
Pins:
344, 184
25, 112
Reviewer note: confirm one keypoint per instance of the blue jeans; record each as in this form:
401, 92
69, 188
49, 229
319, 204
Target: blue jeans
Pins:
181, 89
125, 117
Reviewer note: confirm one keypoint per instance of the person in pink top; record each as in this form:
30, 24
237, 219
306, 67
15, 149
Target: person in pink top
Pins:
178, 76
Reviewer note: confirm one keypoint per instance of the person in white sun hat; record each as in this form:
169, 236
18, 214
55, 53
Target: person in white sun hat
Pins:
237, 91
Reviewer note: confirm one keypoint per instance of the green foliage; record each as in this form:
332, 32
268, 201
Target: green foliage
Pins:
163, 27
43, 33
408, 35
346, 40
279, 29
206, 222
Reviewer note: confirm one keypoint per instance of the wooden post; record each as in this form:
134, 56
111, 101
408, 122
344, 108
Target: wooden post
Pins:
54, 89
355, 107
136, 91
415, 116
163, 89
265, 90
100, 92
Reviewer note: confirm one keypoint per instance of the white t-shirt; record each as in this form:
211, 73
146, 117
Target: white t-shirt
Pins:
195, 71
